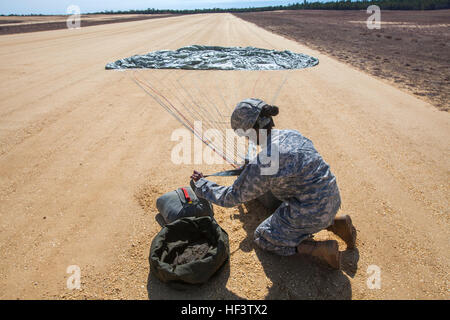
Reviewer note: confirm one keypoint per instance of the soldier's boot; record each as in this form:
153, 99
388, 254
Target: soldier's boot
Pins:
343, 227
325, 251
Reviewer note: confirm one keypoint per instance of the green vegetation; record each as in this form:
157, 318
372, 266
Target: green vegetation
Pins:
332, 5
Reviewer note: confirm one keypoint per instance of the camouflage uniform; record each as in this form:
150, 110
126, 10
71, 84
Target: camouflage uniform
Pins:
303, 182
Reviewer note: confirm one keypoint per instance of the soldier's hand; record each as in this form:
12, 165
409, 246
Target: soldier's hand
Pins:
196, 175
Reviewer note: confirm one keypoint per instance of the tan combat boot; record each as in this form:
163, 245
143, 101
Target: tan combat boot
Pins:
343, 227
326, 251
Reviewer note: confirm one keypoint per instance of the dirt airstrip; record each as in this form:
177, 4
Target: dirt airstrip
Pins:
84, 153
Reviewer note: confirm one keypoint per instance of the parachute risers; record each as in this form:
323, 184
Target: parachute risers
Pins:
207, 98
178, 115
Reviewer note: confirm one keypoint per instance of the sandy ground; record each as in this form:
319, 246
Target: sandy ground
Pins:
84, 153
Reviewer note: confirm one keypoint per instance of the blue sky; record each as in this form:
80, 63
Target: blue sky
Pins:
60, 6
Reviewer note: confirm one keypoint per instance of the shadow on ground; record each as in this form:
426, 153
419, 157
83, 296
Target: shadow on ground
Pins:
296, 277
214, 289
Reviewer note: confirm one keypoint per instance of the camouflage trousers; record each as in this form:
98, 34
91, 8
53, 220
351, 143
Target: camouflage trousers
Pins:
280, 235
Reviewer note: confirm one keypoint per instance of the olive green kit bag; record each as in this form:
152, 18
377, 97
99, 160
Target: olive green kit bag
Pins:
191, 247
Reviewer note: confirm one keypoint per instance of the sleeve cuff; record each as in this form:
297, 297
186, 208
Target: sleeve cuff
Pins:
200, 183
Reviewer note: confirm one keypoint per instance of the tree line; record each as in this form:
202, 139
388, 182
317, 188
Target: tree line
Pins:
316, 5
332, 5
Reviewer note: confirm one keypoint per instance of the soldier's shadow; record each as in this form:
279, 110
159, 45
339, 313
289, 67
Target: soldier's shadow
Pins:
214, 289
296, 277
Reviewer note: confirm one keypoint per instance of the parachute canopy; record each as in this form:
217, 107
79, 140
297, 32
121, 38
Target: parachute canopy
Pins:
200, 88
198, 57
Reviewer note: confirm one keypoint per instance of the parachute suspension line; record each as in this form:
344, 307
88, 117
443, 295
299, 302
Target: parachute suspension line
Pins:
170, 104
277, 92
182, 103
220, 126
234, 150
188, 124
175, 112
207, 120
237, 94
158, 101
182, 115
188, 103
196, 105
143, 86
254, 87
225, 104
263, 79
235, 147
209, 100
213, 124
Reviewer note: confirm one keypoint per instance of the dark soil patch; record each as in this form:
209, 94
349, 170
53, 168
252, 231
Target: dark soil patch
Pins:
10, 21
411, 49
46, 26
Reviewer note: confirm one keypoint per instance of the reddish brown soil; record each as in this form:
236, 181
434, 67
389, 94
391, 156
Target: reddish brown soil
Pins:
411, 49
86, 21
